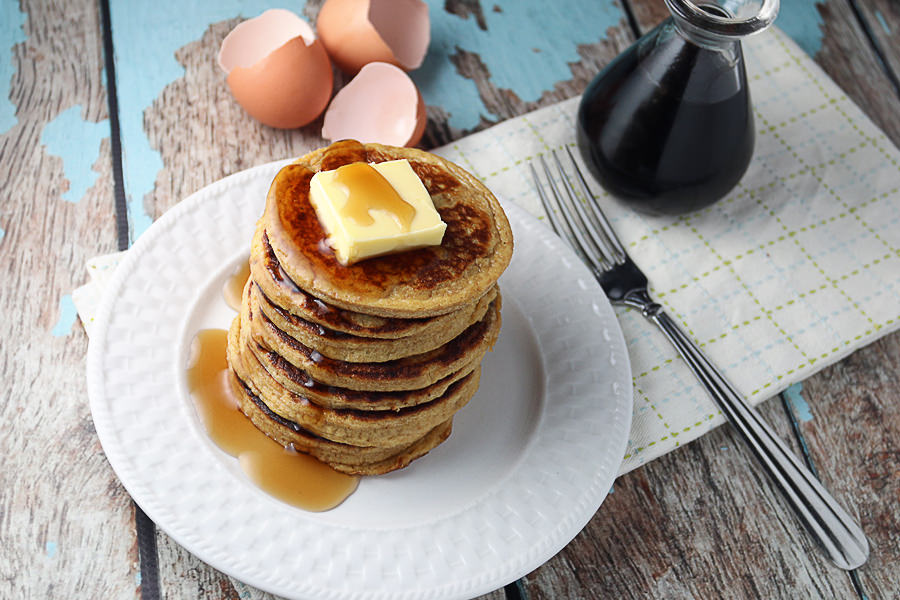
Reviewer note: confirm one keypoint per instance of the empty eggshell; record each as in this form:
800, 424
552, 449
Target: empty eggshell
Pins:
381, 104
357, 32
277, 69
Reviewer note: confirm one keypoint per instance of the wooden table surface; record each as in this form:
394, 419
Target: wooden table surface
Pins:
83, 161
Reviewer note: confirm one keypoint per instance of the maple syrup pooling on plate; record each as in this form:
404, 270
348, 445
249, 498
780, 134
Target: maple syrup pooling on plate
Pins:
290, 476
234, 286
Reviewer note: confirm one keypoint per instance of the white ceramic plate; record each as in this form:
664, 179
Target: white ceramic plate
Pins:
530, 459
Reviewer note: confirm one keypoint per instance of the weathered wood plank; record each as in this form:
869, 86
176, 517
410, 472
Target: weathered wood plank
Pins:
848, 58
648, 15
700, 522
65, 521
692, 517
853, 435
882, 18
505, 102
182, 575
203, 134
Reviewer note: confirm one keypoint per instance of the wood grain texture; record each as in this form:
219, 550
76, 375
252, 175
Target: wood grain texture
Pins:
65, 521
850, 61
203, 134
700, 522
882, 19
854, 438
648, 15
506, 103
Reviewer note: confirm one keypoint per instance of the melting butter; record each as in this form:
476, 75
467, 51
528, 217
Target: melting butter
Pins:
370, 210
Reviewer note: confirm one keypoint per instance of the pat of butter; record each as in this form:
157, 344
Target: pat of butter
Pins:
372, 210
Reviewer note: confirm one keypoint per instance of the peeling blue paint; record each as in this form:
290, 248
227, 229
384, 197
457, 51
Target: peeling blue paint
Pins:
803, 23
77, 142
798, 403
12, 21
883, 22
67, 316
242, 590
146, 36
542, 48
50, 549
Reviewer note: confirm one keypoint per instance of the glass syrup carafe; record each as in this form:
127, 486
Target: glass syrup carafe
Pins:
667, 126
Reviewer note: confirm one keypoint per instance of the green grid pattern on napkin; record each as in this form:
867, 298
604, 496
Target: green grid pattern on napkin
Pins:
797, 267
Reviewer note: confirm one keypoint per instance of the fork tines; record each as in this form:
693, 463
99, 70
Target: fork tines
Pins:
583, 223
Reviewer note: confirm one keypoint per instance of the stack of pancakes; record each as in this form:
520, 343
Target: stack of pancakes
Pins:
364, 366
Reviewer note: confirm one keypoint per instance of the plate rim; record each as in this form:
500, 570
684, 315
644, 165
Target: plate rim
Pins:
554, 541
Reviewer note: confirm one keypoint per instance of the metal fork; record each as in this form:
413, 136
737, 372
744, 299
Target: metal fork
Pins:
587, 230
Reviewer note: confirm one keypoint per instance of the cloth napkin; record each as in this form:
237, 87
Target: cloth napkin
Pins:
797, 267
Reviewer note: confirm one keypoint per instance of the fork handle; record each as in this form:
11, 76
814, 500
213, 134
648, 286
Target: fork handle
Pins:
838, 534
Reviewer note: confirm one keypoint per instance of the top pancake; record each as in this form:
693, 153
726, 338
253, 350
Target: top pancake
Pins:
476, 248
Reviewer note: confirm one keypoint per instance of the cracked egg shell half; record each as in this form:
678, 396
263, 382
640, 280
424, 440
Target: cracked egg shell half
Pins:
277, 70
381, 104
357, 32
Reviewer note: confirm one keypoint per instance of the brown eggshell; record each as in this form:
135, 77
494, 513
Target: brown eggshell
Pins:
357, 32
421, 121
284, 86
381, 104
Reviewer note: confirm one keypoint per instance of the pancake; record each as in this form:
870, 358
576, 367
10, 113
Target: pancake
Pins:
352, 348
435, 280
364, 366
278, 287
407, 373
299, 382
381, 428
353, 460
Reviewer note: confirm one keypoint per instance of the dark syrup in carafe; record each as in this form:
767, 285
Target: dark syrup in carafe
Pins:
667, 127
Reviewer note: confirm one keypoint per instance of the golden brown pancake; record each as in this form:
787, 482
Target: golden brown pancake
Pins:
407, 373
352, 348
476, 248
354, 460
364, 366
299, 382
382, 428
278, 287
